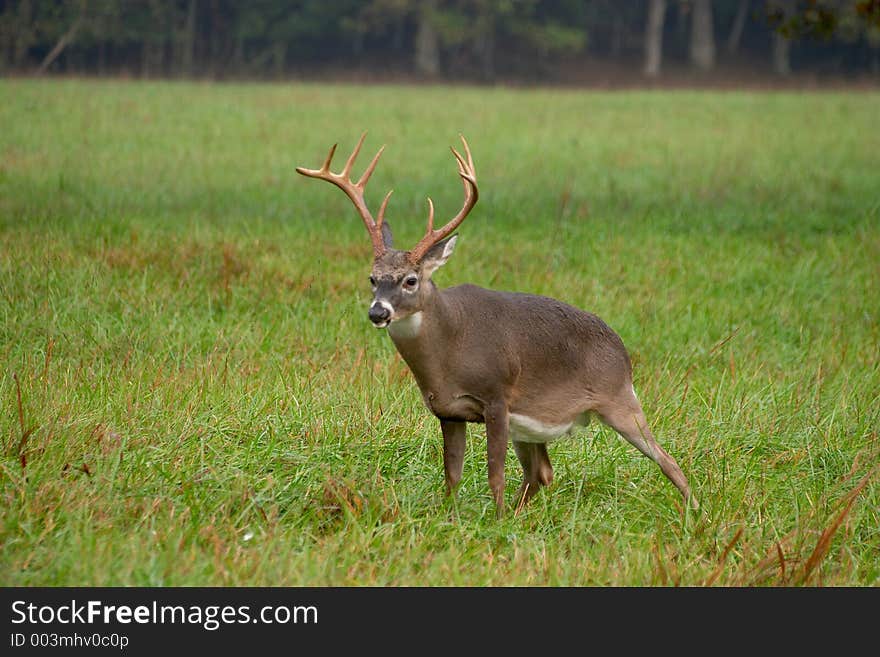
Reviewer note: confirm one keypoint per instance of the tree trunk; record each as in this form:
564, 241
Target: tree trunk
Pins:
357, 44
427, 55
702, 36
102, 57
736, 30
681, 21
154, 58
399, 32
238, 55
215, 42
617, 33
154, 45
781, 45
781, 50
5, 50
62, 43
188, 40
654, 37
486, 48
23, 35
279, 58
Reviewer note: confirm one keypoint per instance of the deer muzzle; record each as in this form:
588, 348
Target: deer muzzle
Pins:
380, 314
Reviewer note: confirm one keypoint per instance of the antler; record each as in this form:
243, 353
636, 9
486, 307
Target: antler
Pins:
471, 194
355, 191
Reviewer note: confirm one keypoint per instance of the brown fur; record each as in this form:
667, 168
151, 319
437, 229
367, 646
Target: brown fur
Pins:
481, 355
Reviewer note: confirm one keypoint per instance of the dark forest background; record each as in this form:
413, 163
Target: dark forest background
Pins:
528, 41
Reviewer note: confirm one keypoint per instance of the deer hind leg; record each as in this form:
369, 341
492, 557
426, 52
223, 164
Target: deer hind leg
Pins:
625, 416
537, 470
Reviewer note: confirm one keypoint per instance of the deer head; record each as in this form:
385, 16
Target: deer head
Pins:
401, 280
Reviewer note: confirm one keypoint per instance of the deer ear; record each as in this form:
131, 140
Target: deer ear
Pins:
387, 236
438, 254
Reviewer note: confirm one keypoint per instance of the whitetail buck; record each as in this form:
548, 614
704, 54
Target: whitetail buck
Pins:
529, 367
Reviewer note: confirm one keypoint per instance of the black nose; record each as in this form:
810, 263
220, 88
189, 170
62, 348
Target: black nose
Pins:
379, 313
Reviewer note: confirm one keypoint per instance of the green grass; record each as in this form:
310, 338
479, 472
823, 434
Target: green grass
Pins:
203, 401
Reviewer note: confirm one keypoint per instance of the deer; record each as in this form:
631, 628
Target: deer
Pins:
529, 367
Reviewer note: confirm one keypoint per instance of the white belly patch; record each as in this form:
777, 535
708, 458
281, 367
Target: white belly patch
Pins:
526, 429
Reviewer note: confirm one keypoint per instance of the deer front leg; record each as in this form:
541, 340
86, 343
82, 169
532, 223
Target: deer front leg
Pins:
453, 452
496, 448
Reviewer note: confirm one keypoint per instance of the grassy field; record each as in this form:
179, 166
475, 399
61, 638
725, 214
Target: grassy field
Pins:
192, 393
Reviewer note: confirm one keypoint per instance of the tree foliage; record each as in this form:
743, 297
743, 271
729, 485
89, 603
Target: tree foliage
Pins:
455, 39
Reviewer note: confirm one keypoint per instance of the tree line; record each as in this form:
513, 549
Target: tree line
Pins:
474, 40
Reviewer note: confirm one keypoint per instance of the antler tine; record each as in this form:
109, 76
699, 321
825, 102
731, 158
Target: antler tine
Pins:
329, 159
324, 171
354, 191
346, 170
430, 215
471, 194
464, 170
369, 170
381, 216
467, 149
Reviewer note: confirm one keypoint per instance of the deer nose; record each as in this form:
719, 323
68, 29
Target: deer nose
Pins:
379, 313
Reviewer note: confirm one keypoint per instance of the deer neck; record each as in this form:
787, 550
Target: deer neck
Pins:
417, 336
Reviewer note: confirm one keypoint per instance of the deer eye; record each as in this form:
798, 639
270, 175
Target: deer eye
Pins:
411, 281
372, 281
